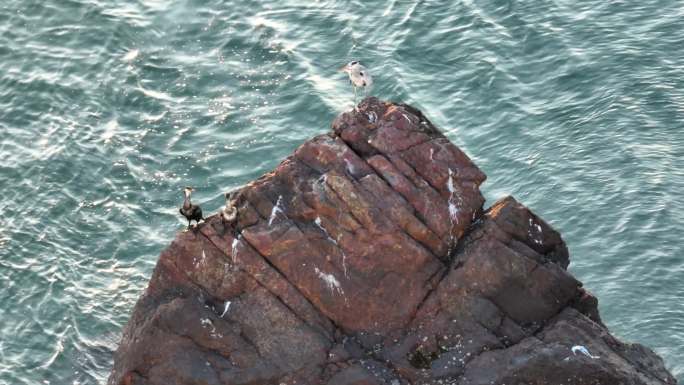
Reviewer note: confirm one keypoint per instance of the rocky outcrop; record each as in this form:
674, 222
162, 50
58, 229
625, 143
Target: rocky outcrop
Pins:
366, 258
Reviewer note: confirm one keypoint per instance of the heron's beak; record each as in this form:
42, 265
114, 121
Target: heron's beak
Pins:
344, 68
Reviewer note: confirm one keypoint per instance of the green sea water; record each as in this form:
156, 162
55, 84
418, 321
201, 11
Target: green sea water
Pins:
109, 107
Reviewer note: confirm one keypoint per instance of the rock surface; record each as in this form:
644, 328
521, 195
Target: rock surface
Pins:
366, 258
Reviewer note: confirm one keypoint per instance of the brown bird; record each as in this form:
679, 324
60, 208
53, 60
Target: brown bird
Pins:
230, 212
190, 211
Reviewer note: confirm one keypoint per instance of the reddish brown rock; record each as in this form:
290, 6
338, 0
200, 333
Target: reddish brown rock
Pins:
366, 258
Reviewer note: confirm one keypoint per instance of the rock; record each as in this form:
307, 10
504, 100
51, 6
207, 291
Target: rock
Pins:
366, 258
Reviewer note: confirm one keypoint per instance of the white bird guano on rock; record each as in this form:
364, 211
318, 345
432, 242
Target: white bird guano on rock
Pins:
358, 76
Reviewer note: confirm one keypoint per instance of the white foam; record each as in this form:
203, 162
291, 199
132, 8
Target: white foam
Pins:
159, 95
110, 130
387, 12
330, 280
131, 55
275, 210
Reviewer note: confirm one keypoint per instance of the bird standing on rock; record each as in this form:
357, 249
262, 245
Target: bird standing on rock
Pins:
358, 76
189, 210
229, 212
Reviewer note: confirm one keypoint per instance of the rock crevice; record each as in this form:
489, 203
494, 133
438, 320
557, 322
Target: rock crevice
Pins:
366, 257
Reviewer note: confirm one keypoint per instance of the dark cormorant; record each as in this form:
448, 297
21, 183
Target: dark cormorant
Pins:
189, 210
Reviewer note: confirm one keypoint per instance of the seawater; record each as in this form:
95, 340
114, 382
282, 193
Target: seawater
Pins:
108, 108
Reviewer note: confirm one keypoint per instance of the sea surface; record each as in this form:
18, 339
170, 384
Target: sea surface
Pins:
109, 107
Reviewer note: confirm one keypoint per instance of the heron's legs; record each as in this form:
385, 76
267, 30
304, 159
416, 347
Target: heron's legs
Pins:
354, 96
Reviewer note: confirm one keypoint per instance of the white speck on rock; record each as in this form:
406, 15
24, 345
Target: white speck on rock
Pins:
212, 333
321, 180
407, 118
350, 167
454, 199
204, 256
453, 212
583, 350
333, 240
330, 280
275, 210
225, 310
537, 227
450, 182
205, 322
233, 249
